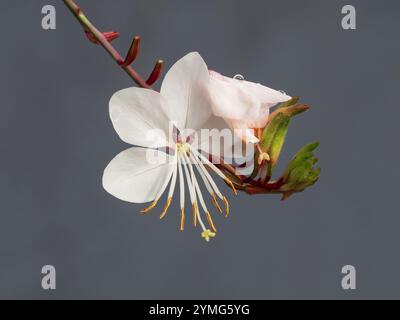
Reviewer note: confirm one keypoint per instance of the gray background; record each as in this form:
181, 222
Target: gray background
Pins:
56, 139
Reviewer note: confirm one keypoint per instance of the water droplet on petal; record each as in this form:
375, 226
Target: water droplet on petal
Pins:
238, 77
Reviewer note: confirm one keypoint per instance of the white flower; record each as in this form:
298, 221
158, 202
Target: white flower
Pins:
135, 112
244, 105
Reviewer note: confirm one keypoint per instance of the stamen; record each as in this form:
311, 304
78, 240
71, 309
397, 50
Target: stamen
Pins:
186, 163
154, 203
181, 184
262, 156
230, 183
171, 189
211, 222
227, 208
203, 205
188, 178
173, 181
182, 219
203, 171
194, 214
207, 184
169, 200
209, 163
196, 190
203, 177
214, 197
150, 207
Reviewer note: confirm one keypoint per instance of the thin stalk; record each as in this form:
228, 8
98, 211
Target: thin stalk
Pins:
89, 27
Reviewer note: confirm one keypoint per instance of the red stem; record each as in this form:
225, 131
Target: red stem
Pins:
89, 27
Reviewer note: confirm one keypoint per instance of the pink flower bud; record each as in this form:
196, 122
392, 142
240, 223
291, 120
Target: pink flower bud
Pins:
244, 105
109, 35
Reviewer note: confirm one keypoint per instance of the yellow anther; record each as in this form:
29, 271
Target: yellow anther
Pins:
263, 156
211, 222
207, 234
216, 202
150, 207
169, 200
229, 182
183, 148
194, 206
226, 203
182, 219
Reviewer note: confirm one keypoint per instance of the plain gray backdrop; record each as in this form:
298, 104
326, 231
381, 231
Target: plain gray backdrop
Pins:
56, 139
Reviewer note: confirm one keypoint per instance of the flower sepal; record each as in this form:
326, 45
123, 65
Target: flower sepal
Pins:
298, 175
301, 172
274, 134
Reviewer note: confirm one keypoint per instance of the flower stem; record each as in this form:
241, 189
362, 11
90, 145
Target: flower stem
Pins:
89, 27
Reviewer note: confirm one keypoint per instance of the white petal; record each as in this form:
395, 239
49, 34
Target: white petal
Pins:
265, 95
259, 122
137, 174
232, 101
236, 148
140, 117
244, 129
239, 99
185, 88
221, 141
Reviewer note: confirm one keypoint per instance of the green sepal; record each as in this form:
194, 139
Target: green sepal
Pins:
304, 154
272, 129
290, 111
279, 140
289, 103
300, 173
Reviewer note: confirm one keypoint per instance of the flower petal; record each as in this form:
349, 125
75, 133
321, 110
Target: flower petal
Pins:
240, 99
217, 139
245, 129
140, 117
260, 122
138, 175
265, 95
185, 87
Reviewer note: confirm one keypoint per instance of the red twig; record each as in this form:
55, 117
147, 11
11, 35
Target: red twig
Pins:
104, 39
